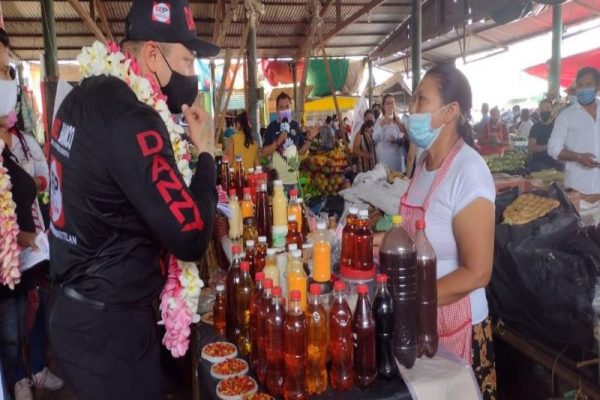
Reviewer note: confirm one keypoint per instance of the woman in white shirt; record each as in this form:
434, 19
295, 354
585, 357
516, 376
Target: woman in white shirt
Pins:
388, 136
453, 191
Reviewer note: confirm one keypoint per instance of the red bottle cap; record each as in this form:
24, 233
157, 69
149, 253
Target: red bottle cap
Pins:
382, 278
339, 286
294, 192
277, 291
245, 266
363, 289
421, 225
259, 276
295, 295
315, 289
232, 192
268, 283
246, 189
236, 249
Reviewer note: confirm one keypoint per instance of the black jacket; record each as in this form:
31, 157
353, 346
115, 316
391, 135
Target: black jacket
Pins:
117, 198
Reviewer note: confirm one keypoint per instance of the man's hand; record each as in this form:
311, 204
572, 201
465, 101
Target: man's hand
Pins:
27, 239
200, 129
281, 138
312, 131
587, 160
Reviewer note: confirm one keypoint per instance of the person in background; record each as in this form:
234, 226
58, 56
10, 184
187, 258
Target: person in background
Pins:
575, 137
376, 110
369, 115
516, 114
388, 135
538, 140
485, 113
524, 126
242, 143
335, 123
494, 138
453, 191
229, 130
327, 135
364, 147
347, 127
281, 134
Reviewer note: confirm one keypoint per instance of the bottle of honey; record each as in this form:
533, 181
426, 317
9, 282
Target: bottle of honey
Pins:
295, 350
317, 327
247, 204
293, 234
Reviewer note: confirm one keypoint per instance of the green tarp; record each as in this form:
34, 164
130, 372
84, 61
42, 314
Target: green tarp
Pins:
317, 76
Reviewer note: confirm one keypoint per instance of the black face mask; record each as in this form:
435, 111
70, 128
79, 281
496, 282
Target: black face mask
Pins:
545, 116
180, 89
376, 113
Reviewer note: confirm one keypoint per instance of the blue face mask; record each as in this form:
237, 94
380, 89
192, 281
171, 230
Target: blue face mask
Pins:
420, 130
586, 96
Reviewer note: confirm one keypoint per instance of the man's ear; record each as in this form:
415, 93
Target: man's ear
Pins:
150, 56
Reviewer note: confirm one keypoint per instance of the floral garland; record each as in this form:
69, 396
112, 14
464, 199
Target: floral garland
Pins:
179, 298
9, 229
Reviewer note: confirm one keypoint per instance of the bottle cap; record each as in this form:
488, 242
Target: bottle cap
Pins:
251, 170
363, 289
339, 286
292, 247
382, 278
292, 217
236, 249
262, 239
225, 159
259, 276
259, 169
363, 213
353, 210
277, 291
238, 158
268, 283
307, 246
231, 169
315, 289
263, 187
278, 183
243, 254
420, 225
245, 266
220, 287
232, 192
295, 295
297, 253
321, 225
294, 192
299, 200
271, 252
246, 190
397, 219
249, 221
249, 243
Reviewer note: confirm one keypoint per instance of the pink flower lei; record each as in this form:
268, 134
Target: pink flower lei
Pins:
9, 229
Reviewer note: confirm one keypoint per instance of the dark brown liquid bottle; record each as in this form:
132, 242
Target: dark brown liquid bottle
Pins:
383, 314
363, 331
240, 177
427, 293
348, 241
234, 276
220, 311
225, 177
263, 213
261, 254
398, 258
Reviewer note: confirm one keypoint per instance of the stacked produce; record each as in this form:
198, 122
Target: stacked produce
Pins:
325, 173
511, 161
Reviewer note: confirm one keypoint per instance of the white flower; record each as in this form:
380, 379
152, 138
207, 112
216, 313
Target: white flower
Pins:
290, 151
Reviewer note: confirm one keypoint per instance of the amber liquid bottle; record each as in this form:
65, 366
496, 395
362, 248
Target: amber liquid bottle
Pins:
293, 235
220, 311
244, 296
362, 266
263, 213
275, 359
254, 307
295, 351
317, 327
261, 330
233, 279
261, 254
240, 177
225, 177
363, 330
348, 241
251, 256
340, 330
427, 293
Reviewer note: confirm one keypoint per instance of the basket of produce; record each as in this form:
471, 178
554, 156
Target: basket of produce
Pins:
512, 162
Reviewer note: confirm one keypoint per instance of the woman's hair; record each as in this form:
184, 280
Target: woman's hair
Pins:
242, 119
387, 96
454, 87
328, 120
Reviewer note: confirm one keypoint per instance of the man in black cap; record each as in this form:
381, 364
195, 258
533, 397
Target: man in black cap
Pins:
118, 200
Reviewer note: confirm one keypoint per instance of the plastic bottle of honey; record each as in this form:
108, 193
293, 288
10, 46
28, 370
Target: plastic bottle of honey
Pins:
247, 204
297, 279
279, 230
295, 208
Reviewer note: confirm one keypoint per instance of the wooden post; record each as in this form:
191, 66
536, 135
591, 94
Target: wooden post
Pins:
295, 80
101, 8
253, 83
219, 95
50, 80
371, 83
87, 20
332, 88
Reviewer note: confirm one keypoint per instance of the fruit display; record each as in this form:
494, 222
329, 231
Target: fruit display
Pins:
323, 173
511, 161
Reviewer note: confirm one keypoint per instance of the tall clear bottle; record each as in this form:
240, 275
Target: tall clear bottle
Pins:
340, 330
297, 279
254, 310
263, 213
234, 276
279, 230
363, 330
321, 251
293, 234
295, 208
383, 314
362, 266
427, 292
247, 205
244, 294
261, 253
275, 359
348, 240
235, 220
261, 330
398, 257
220, 310
295, 351
318, 342
240, 176
271, 269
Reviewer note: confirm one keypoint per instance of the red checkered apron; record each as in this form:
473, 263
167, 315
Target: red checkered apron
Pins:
453, 320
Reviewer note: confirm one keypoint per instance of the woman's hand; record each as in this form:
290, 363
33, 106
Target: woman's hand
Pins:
377, 241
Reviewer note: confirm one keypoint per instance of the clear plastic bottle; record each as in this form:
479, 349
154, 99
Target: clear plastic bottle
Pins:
318, 342
244, 295
247, 204
235, 220
295, 208
233, 279
427, 293
363, 266
340, 330
271, 269
279, 231
263, 213
251, 256
293, 234
220, 310
254, 308
240, 176
383, 314
348, 240
225, 177
321, 255
275, 359
295, 350
398, 258
297, 279
363, 330
261, 253
261, 330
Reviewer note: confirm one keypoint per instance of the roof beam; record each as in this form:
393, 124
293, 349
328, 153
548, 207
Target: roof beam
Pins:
204, 20
205, 35
282, 47
266, 3
344, 24
101, 9
87, 20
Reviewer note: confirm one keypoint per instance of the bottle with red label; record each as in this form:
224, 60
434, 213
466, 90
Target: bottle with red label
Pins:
383, 314
244, 295
220, 310
275, 359
293, 234
261, 330
295, 350
261, 253
234, 276
427, 292
340, 333
254, 307
348, 241
363, 329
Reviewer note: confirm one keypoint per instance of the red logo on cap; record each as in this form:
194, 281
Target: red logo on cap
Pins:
161, 12
189, 18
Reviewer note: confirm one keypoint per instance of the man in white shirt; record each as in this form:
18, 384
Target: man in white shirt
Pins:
524, 127
575, 138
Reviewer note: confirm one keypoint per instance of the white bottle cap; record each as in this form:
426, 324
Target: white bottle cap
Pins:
307, 246
278, 183
271, 252
262, 239
251, 170
363, 213
238, 158
297, 253
292, 247
259, 169
220, 287
263, 187
299, 200
353, 210
231, 169
321, 225
249, 243
292, 217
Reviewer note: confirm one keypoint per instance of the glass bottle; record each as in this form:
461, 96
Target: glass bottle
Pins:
295, 208
398, 258
220, 310
244, 294
250, 230
261, 253
254, 307
317, 327
263, 213
247, 204
235, 220
275, 359
251, 256
362, 266
261, 330
363, 330
305, 228
271, 269
427, 293
340, 331
240, 176
233, 279
293, 234
225, 177
348, 241
297, 279
383, 314
295, 350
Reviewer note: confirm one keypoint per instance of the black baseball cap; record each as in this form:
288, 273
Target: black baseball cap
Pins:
168, 21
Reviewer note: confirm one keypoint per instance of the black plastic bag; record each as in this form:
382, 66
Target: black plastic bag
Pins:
544, 275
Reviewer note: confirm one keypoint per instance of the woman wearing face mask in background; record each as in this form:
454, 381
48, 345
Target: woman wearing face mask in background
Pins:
388, 135
364, 147
453, 191
494, 138
538, 140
